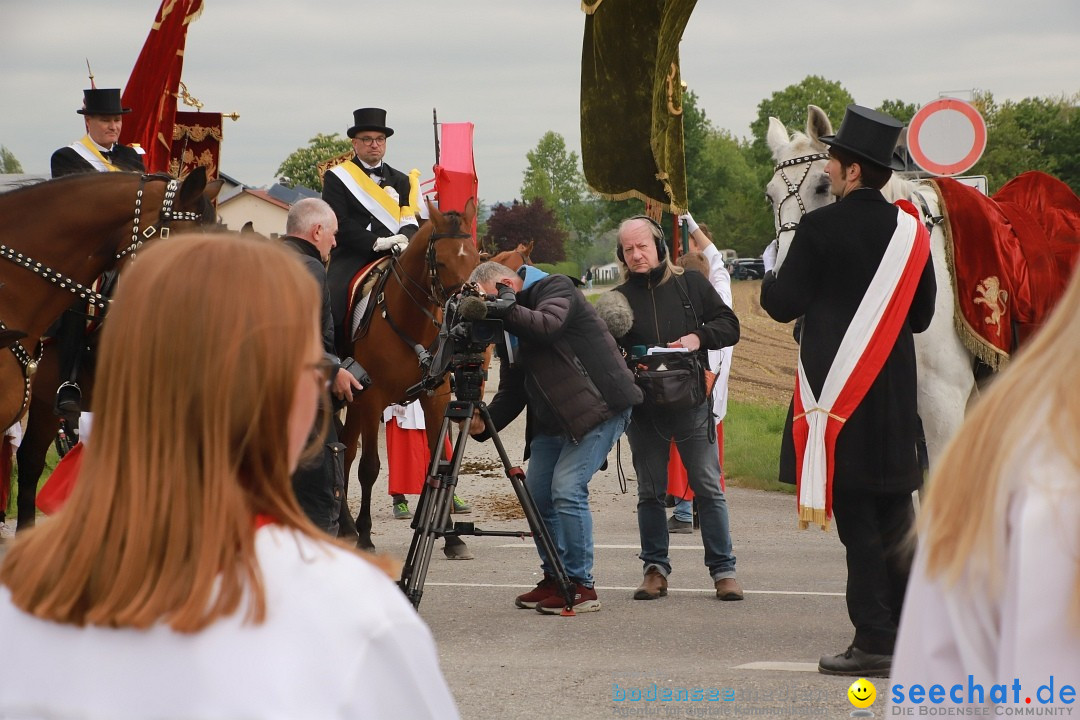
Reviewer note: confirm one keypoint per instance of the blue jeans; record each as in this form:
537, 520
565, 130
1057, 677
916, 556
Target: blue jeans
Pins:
558, 480
684, 511
650, 433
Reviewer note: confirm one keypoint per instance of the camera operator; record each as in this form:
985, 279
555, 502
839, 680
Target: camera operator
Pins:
675, 310
319, 483
579, 392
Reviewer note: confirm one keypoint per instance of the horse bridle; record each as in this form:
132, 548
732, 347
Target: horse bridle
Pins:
166, 215
436, 296
793, 188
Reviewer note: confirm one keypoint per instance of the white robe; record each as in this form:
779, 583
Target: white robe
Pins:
340, 641
1026, 630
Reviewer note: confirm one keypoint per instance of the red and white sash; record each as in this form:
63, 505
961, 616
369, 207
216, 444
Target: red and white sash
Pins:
866, 345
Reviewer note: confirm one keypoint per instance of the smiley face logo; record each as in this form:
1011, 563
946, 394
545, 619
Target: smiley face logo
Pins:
862, 693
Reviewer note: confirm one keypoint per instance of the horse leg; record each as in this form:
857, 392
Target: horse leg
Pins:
41, 428
946, 382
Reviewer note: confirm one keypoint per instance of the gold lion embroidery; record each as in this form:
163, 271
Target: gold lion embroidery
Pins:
990, 294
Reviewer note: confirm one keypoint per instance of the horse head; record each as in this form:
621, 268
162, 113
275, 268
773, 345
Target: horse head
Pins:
799, 183
446, 248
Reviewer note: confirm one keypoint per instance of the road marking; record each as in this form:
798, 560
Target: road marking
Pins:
532, 546
787, 666
708, 591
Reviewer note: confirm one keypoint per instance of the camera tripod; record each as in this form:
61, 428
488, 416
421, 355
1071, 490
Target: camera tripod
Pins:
432, 517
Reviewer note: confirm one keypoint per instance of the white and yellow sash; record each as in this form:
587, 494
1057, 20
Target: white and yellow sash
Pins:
89, 152
382, 206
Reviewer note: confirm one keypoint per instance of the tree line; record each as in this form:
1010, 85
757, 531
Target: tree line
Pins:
726, 174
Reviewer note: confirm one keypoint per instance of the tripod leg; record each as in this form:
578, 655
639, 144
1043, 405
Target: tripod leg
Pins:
432, 516
532, 515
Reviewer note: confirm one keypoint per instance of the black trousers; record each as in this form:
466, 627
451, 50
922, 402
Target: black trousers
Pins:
874, 529
319, 483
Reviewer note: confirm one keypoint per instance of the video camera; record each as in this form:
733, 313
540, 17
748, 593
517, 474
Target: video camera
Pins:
471, 322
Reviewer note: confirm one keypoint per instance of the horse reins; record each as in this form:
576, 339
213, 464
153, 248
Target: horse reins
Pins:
437, 295
793, 188
161, 227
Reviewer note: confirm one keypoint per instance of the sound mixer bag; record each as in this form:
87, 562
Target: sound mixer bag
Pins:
672, 381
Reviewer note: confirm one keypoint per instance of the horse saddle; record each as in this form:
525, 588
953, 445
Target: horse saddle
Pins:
1010, 255
367, 280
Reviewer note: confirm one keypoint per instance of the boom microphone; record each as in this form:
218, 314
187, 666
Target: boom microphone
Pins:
615, 311
471, 307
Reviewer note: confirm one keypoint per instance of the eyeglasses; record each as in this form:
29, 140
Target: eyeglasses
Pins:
381, 140
325, 371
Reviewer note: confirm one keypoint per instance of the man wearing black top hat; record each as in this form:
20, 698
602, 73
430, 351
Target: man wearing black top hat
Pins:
99, 150
372, 201
831, 279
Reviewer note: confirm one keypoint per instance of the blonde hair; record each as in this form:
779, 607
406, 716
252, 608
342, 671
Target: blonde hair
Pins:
966, 506
196, 377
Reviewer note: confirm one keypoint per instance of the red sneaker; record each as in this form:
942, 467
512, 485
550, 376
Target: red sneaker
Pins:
543, 590
584, 601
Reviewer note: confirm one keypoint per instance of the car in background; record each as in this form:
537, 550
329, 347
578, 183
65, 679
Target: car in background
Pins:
747, 269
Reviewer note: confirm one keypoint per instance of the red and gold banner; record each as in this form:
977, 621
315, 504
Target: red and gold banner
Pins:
196, 140
151, 89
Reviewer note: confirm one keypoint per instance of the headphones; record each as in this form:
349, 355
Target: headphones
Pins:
658, 238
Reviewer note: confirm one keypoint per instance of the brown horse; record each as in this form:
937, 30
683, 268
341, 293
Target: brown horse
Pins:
436, 263
513, 259
76, 227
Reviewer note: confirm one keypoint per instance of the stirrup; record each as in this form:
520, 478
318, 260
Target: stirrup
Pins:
68, 399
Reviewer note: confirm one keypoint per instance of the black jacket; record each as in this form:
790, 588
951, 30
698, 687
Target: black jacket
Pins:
66, 161
665, 311
833, 257
570, 372
309, 255
354, 239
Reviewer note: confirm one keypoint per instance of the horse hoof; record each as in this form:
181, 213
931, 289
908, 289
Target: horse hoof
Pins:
457, 552
365, 546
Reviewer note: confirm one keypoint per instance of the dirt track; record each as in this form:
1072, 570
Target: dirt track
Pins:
763, 365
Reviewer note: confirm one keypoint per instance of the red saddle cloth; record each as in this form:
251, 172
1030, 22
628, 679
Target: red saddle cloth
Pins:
1011, 256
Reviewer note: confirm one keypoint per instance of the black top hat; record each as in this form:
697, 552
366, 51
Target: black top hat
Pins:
102, 102
870, 135
369, 119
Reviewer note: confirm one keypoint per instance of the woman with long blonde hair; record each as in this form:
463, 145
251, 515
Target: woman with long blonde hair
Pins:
181, 578
995, 591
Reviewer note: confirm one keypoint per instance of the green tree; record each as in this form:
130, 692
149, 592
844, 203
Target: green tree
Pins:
898, 109
554, 176
8, 162
301, 166
789, 106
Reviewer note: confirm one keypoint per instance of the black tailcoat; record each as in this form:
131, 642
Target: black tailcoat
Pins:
833, 257
66, 161
354, 238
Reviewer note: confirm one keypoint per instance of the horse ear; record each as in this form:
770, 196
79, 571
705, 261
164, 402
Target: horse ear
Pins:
433, 212
777, 137
817, 123
192, 187
212, 189
470, 212
529, 247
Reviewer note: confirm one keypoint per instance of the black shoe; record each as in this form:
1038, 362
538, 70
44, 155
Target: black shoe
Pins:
68, 399
679, 526
854, 662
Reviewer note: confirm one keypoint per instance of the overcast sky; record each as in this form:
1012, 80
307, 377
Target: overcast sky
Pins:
296, 68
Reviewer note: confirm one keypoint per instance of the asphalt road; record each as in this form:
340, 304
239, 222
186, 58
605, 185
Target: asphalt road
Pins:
754, 658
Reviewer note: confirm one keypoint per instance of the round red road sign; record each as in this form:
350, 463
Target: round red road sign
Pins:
946, 136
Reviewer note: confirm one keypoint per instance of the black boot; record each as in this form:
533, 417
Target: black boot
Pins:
853, 662
68, 400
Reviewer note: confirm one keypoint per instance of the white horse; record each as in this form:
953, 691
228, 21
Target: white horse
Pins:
798, 185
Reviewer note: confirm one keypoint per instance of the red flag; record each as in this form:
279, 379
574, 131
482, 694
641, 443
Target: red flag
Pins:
155, 79
196, 140
455, 175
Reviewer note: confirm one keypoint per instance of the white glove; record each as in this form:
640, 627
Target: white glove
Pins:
768, 258
387, 243
690, 224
